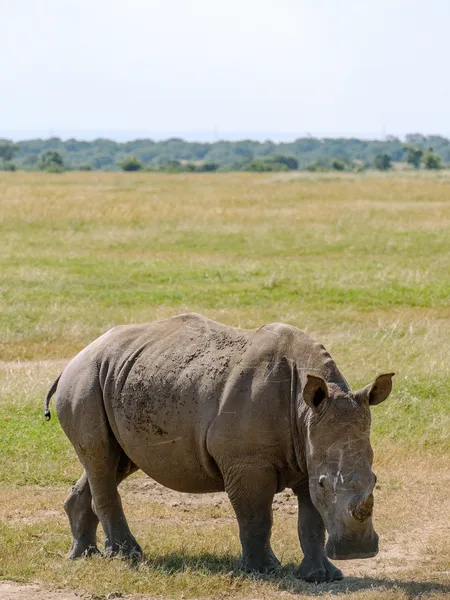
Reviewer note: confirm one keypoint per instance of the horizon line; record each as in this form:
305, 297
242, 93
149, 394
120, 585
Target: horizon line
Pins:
200, 136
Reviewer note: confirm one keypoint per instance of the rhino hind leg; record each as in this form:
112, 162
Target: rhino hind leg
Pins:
82, 518
95, 497
83, 521
251, 492
107, 505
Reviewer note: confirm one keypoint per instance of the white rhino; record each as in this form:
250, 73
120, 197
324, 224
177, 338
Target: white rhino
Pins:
202, 407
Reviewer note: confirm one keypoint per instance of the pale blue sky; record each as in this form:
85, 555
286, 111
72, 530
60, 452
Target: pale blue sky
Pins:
205, 69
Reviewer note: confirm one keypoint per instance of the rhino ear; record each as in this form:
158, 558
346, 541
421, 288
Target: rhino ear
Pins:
315, 391
376, 392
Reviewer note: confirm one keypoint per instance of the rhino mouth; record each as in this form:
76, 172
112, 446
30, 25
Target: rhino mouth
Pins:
350, 556
352, 549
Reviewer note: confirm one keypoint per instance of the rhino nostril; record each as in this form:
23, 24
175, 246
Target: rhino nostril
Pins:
361, 507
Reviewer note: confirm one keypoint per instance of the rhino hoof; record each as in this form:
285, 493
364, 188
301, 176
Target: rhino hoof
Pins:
77, 552
268, 566
133, 553
319, 571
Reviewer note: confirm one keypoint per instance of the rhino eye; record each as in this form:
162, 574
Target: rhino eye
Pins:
322, 481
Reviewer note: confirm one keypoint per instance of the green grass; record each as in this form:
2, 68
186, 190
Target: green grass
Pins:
362, 263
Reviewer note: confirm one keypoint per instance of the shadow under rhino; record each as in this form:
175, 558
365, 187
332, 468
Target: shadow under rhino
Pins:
285, 578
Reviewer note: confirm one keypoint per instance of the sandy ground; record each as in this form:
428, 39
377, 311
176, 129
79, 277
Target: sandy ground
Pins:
18, 591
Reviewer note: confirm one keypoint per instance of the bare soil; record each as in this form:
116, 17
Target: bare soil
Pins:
9, 590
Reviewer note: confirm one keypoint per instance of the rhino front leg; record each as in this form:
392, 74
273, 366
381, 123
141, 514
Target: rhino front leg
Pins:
251, 492
315, 566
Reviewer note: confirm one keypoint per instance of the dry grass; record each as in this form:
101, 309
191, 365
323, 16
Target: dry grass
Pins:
360, 262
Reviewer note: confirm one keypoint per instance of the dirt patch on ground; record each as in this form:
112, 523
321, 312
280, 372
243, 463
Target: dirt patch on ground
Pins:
10, 590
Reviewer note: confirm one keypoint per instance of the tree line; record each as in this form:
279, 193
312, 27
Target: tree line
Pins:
177, 155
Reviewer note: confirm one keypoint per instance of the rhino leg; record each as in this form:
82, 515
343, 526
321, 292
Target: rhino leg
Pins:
103, 480
251, 492
82, 518
83, 521
315, 566
82, 416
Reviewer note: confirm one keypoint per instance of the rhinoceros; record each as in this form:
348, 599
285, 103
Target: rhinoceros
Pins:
203, 407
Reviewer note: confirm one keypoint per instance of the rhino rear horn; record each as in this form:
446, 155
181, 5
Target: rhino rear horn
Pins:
315, 391
376, 392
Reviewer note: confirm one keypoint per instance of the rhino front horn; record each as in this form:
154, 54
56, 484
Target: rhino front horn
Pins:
361, 507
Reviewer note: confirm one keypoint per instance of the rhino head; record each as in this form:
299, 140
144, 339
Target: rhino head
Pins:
339, 461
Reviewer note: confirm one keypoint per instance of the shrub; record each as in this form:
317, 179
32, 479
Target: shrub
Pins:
316, 167
51, 161
130, 163
432, 161
338, 164
171, 165
383, 162
414, 156
263, 166
290, 162
208, 167
7, 166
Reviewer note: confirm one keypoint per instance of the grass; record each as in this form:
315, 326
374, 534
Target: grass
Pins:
361, 262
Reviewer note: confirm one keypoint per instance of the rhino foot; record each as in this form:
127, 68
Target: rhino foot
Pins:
77, 551
129, 549
263, 564
318, 571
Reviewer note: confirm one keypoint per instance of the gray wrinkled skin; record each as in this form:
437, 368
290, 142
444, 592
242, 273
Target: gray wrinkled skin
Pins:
201, 407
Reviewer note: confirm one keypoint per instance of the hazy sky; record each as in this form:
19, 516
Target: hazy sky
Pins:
208, 69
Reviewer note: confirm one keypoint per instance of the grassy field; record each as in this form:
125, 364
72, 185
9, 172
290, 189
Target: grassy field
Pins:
361, 262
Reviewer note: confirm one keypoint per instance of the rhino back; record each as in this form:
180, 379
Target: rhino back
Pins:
162, 384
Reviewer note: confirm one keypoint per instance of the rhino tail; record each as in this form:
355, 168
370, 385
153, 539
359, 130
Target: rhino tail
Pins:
51, 391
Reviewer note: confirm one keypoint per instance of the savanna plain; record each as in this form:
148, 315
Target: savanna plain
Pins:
361, 262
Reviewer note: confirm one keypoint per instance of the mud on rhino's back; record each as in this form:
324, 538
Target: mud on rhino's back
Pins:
162, 392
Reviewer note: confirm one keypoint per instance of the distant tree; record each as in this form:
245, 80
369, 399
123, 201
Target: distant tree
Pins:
431, 160
260, 166
173, 165
7, 166
85, 168
7, 150
316, 154
414, 156
383, 162
416, 140
317, 166
51, 161
338, 164
29, 161
208, 167
290, 162
102, 161
130, 163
